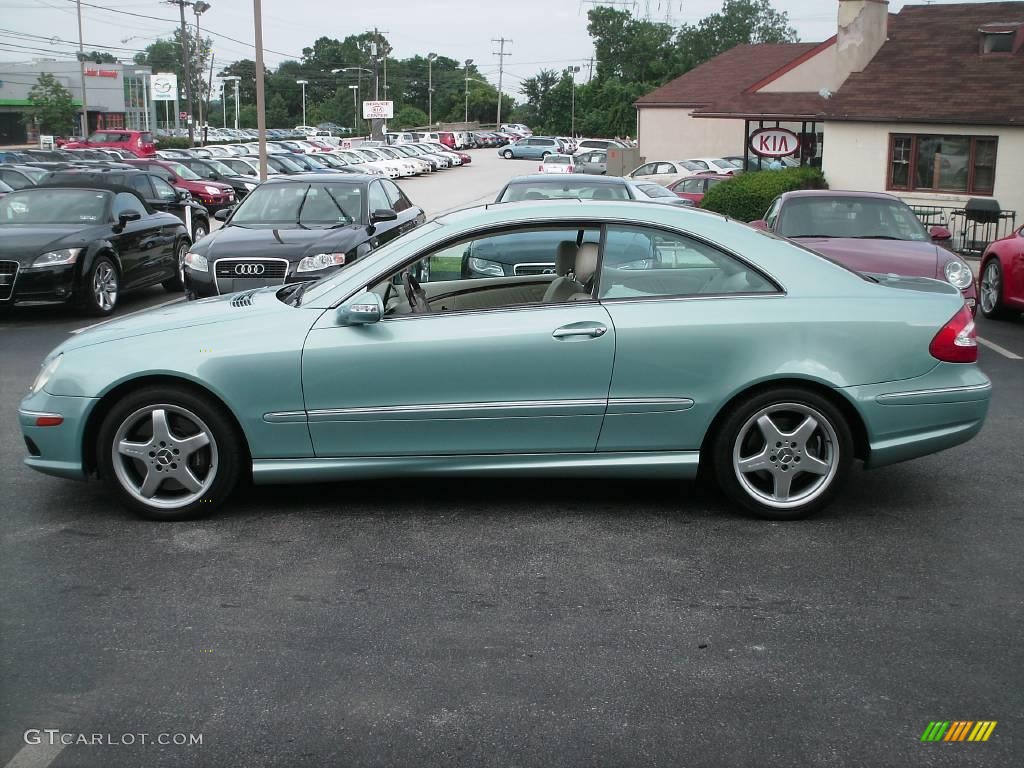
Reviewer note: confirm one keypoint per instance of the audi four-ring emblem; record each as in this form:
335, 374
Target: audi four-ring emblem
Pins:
249, 269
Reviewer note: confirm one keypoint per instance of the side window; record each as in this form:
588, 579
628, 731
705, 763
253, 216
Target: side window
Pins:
693, 185
665, 168
377, 197
125, 202
773, 213
14, 180
648, 263
164, 191
398, 201
141, 185
701, 164
644, 170
522, 267
158, 170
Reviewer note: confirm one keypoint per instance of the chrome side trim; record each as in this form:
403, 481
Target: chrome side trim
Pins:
38, 414
594, 407
284, 417
625, 405
669, 464
930, 395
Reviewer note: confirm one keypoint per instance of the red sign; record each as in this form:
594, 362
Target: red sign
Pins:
774, 142
101, 73
183, 115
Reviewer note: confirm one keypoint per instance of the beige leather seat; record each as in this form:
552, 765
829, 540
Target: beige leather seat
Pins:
586, 268
565, 285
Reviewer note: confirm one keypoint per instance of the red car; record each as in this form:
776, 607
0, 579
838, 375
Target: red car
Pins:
139, 143
1002, 277
869, 232
447, 138
695, 187
212, 194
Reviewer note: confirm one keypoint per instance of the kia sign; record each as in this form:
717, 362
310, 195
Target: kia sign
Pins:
164, 87
774, 142
378, 110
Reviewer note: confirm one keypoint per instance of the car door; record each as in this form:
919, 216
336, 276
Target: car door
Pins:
492, 369
665, 173
409, 216
377, 199
137, 245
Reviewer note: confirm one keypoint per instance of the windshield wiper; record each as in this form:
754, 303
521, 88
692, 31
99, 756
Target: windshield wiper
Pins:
295, 298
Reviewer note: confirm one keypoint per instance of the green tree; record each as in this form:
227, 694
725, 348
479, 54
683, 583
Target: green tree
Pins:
410, 117
101, 57
51, 110
165, 56
277, 112
739, 22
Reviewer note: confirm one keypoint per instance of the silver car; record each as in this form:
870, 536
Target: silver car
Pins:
591, 161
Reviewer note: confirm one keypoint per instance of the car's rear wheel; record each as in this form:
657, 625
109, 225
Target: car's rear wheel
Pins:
991, 298
100, 287
176, 284
507, 154
200, 229
783, 454
169, 454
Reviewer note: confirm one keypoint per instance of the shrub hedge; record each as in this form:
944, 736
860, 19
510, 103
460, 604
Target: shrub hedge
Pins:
747, 196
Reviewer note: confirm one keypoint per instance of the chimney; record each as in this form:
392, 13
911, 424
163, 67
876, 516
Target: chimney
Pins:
863, 26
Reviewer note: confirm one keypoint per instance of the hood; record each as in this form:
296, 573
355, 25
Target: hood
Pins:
291, 244
24, 242
219, 309
903, 257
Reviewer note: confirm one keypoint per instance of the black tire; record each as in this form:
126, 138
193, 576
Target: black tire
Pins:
176, 284
544, 154
226, 446
832, 439
996, 309
89, 297
507, 154
200, 229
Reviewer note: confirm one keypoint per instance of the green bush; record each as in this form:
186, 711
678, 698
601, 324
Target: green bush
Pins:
746, 197
173, 142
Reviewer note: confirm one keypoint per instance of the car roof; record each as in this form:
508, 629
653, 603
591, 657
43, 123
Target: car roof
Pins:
836, 193
90, 185
546, 178
339, 178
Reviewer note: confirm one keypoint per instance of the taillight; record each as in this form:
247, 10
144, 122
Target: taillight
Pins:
957, 341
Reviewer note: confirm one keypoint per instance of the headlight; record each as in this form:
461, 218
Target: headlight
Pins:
212, 190
320, 261
45, 374
55, 258
197, 262
486, 267
959, 274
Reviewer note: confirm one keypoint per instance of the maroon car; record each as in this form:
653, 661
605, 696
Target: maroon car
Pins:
1002, 277
694, 188
213, 194
869, 232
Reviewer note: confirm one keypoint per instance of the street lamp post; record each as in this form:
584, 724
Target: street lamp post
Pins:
303, 83
236, 78
465, 117
430, 88
200, 8
355, 106
572, 74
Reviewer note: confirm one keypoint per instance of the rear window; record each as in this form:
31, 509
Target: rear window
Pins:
538, 190
557, 160
146, 137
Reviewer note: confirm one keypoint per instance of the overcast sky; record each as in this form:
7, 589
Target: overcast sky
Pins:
545, 33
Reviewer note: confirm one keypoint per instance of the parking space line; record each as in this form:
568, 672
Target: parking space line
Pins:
128, 314
36, 755
1001, 350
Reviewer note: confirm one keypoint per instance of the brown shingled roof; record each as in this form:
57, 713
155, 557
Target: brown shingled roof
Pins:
930, 70
726, 76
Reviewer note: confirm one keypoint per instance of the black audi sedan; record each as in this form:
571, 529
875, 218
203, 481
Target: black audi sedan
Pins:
298, 228
85, 246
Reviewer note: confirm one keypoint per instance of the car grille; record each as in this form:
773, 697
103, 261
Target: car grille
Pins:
244, 274
8, 274
535, 269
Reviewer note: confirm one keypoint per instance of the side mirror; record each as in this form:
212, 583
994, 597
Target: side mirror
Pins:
383, 214
759, 224
182, 195
364, 309
223, 214
940, 234
125, 217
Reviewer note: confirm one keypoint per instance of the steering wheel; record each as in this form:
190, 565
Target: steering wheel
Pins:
415, 295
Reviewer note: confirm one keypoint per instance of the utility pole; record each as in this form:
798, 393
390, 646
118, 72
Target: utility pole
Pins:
591, 75
572, 74
186, 67
465, 117
430, 88
261, 113
501, 70
303, 83
81, 67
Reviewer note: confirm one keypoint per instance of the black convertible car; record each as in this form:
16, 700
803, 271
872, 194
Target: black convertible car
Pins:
65, 244
298, 228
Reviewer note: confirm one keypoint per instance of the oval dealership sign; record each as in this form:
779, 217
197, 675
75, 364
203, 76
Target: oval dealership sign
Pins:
774, 142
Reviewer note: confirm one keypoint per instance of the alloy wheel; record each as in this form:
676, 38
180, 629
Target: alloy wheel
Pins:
104, 286
786, 455
199, 232
165, 456
990, 287
182, 250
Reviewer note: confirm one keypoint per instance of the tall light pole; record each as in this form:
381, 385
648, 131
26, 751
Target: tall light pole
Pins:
236, 78
572, 74
430, 88
81, 67
303, 83
465, 117
200, 8
355, 107
261, 106
186, 66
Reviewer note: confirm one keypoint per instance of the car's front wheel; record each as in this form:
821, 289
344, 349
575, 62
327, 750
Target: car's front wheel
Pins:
200, 229
100, 287
783, 454
176, 284
507, 154
169, 453
991, 298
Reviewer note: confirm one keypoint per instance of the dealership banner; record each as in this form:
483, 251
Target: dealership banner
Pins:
164, 87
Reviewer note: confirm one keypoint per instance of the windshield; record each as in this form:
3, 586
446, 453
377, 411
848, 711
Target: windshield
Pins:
539, 190
54, 206
858, 217
283, 165
183, 171
305, 205
218, 167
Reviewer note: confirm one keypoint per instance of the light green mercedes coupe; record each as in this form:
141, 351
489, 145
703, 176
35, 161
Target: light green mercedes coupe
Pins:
630, 340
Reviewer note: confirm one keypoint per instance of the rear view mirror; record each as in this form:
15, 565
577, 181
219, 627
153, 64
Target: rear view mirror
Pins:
759, 224
126, 216
223, 214
940, 234
364, 309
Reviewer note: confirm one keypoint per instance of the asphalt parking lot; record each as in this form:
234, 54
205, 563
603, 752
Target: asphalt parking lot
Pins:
534, 623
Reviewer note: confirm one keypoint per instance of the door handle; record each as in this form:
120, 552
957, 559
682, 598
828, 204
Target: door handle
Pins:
592, 332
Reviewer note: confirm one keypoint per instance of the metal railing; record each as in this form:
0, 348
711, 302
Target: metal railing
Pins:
971, 236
